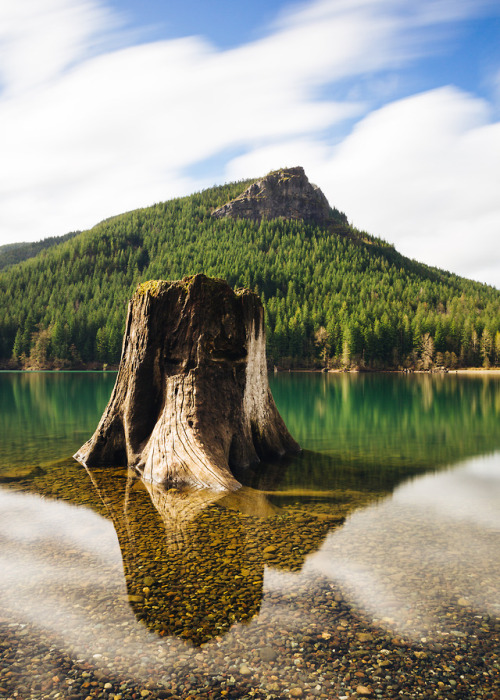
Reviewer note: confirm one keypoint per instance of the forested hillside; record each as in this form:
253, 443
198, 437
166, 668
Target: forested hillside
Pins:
12, 253
333, 295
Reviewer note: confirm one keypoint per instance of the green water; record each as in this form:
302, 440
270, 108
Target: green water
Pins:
371, 424
45, 416
384, 529
372, 418
370, 431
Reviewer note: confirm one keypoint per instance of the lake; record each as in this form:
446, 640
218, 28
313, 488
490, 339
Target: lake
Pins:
366, 566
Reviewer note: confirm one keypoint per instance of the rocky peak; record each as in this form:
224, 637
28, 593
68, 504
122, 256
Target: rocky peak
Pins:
285, 194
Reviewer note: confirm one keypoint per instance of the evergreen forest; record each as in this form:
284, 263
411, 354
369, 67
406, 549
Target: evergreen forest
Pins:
13, 253
334, 296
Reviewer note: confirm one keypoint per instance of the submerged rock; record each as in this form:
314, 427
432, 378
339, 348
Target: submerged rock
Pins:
285, 193
191, 403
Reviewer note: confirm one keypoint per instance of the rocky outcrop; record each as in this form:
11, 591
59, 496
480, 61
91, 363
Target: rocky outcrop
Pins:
284, 194
191, 403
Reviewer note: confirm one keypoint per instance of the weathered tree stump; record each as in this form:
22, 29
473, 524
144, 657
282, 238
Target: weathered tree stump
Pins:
191, 403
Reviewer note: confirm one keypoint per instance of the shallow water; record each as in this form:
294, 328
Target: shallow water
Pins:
369, 563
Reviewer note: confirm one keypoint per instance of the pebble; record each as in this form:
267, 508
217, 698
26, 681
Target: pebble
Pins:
267, 654
212, 627
364, 637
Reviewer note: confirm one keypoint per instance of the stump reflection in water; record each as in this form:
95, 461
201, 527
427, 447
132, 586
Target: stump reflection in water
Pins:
194, 560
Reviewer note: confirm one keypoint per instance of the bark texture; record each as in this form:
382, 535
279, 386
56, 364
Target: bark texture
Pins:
191, 403
286, 194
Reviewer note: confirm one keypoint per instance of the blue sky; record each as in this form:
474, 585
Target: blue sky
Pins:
466, 54
225, 23
392, 107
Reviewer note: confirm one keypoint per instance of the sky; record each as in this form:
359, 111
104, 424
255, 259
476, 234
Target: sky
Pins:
391, 106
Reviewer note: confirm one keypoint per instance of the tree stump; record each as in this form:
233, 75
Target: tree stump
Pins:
191, 403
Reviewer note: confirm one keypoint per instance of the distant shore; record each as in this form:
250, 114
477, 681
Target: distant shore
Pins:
302, 370
478, 370
466, 370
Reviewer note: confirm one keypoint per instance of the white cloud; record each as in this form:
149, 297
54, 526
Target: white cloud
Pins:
424, 172
40, 39
86, 134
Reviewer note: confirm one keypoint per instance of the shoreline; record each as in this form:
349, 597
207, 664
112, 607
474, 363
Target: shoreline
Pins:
478, 370
464, 370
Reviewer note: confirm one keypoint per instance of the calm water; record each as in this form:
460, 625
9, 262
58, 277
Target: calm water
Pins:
347, 567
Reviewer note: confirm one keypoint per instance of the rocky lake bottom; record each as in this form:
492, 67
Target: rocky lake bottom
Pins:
240, 598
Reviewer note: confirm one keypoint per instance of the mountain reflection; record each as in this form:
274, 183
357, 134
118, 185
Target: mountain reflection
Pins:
403, 422
194, 560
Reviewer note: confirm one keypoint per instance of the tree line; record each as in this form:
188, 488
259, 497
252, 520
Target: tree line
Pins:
333, 295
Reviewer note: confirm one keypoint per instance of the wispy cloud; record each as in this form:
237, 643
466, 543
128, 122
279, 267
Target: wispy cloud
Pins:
39, 40
89, 131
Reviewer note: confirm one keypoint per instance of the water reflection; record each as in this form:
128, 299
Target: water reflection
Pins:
260, 592
192, 564
59, 564
194, 560
361, 421
45, 416
393, 420
419, 562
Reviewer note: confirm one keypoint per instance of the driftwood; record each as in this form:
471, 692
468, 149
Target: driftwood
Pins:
191, 404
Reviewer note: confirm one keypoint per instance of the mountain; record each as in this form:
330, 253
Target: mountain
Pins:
332, 294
